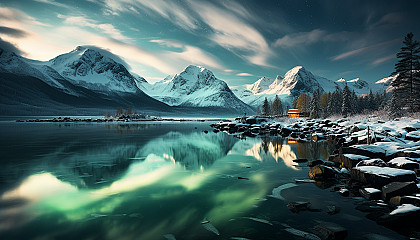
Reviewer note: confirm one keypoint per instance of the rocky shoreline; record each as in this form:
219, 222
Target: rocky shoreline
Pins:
114, 119
375, 162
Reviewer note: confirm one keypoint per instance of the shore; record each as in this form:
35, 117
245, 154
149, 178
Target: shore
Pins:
376, 162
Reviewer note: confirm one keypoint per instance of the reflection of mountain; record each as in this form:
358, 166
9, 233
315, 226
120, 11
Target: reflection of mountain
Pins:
274, 148
194, 150
91, 167
270, 148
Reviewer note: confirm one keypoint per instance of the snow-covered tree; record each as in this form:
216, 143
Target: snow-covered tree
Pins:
277, 106
315, 105
335, 103
394, 107
407, 83
346, 107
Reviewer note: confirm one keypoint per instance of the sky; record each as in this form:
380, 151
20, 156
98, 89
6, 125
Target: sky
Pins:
240, 41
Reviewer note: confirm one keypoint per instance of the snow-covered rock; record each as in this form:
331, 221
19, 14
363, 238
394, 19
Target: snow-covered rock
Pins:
380, 176
195, 87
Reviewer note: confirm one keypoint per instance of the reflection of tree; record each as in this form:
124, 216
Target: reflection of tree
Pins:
313, 150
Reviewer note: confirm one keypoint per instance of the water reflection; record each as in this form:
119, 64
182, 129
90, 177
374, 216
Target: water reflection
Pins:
147, 182
194, 151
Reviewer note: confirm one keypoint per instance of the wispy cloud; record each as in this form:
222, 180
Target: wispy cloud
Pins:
82, 21
234, 33
383, 59
245, 74
174, 11
54, 3
300, 38
314, 36
188, 54
13, 32
228, 23
363, 50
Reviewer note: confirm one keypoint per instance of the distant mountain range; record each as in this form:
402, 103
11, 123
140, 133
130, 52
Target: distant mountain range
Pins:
298, 80
92, 81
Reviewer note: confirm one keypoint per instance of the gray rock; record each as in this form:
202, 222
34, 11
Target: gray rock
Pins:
380, 176
398, 189
330, 230
298, 206
320, 172
371, 193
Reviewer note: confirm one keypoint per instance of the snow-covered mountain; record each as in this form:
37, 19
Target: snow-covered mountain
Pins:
35, 87
95, 69
195, 86
296, 81
384, 84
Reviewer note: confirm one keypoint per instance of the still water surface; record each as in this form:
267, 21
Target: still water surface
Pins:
158, 181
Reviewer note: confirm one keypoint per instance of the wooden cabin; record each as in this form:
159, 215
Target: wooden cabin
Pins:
295, 113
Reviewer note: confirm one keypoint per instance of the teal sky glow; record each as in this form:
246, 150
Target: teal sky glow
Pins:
240, 41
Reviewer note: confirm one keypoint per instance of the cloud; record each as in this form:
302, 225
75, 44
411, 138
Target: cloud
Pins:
228, 70
54, 3
233, 33
314, 36
188, 54
245, 74
364, 50
7, 46
302, 38
168, 42
174, 11
13, 32
13, 16
383, 59
82, 21
228, 24
388, 20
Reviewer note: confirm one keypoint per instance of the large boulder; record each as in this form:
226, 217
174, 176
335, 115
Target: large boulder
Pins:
398, 189
349, 160
371, 151
406, 215
380, 176
413, 136
321, 172
371, 193
404, 163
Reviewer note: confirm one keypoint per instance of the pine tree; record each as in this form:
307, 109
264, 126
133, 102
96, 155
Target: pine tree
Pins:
345, 107
394, 107
277, 107
265, 108
258, 110
407, 83
315, 105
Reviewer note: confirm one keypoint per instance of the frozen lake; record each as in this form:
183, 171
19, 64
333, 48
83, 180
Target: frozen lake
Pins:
163, 180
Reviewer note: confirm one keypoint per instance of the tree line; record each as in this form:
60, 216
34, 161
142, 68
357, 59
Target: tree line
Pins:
405, 97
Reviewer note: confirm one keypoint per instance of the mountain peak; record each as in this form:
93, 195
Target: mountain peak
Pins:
193, 69
260, 85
